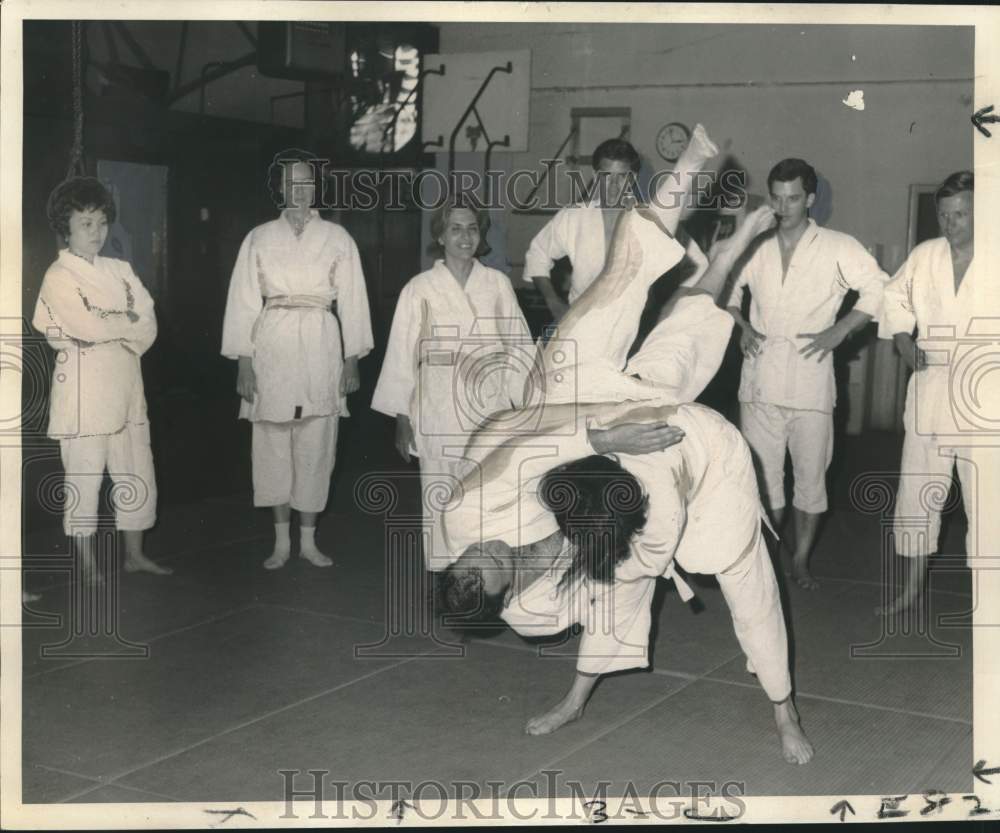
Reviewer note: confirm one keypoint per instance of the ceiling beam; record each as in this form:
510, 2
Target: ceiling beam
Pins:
247, 33
109, 36
133, 45
212, 75
181, 49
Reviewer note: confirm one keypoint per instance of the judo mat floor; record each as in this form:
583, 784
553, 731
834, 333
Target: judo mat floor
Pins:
205, 685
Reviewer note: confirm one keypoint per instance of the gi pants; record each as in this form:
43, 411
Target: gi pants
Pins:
128, 458
293, 462
808, 436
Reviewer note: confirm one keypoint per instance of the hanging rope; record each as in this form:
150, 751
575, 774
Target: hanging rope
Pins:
76, 165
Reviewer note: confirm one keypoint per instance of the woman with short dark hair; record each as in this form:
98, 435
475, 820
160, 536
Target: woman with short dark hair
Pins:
95, 312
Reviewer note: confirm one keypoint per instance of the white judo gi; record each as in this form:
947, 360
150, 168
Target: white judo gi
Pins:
279, 312
787, 399
455, 356
99, 318
577, 232
952, 408
704, 509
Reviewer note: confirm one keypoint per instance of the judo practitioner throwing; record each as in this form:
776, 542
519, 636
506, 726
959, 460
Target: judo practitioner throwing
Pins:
551, 533
293, 374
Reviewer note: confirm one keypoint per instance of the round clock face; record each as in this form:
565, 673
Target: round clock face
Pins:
671, 141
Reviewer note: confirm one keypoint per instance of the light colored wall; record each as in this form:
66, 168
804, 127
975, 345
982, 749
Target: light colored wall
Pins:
917, 84
764, 93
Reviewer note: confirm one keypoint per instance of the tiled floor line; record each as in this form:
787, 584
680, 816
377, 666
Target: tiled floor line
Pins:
691, 678
322, 615
168, 558
215, 618
596, 737
868, 583
265, 716
59, 771
115, 784
617, 724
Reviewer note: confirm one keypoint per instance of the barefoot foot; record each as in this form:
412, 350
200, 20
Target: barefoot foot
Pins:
795, 746
90, 574
903, 602
139, 563
277, 559
27, 597
804, 579
558, 717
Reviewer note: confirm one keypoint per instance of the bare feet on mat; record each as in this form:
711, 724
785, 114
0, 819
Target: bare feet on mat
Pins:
558, 717
795, 746
137, 562
903, 602
803, 578
90, 574
315, 557
278, 558
914, 584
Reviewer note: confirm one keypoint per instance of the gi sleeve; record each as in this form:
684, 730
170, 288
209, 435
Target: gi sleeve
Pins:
63, 311
898, 315
547, 247
144, 330
243, 303
744, 278
352, 303
397, 380
666, 480
858, 270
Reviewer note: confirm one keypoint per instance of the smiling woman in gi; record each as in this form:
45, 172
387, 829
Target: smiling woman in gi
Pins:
459, 350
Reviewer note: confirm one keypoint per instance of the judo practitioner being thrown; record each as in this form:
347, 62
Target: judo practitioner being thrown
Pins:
95, 312
293, 374
552, 534
797, 280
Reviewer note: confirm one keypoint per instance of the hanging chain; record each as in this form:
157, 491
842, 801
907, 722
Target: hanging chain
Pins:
76, 165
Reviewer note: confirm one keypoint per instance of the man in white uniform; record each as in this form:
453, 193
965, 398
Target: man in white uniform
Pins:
797, 280
519, 550
294, 374
582, 232
941, 293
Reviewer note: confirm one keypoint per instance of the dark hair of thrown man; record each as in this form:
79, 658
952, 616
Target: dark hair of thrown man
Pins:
599, 507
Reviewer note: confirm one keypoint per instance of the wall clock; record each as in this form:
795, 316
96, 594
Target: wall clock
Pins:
671, 140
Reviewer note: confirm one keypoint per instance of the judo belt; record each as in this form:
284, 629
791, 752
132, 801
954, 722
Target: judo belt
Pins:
304, 302
301, 302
